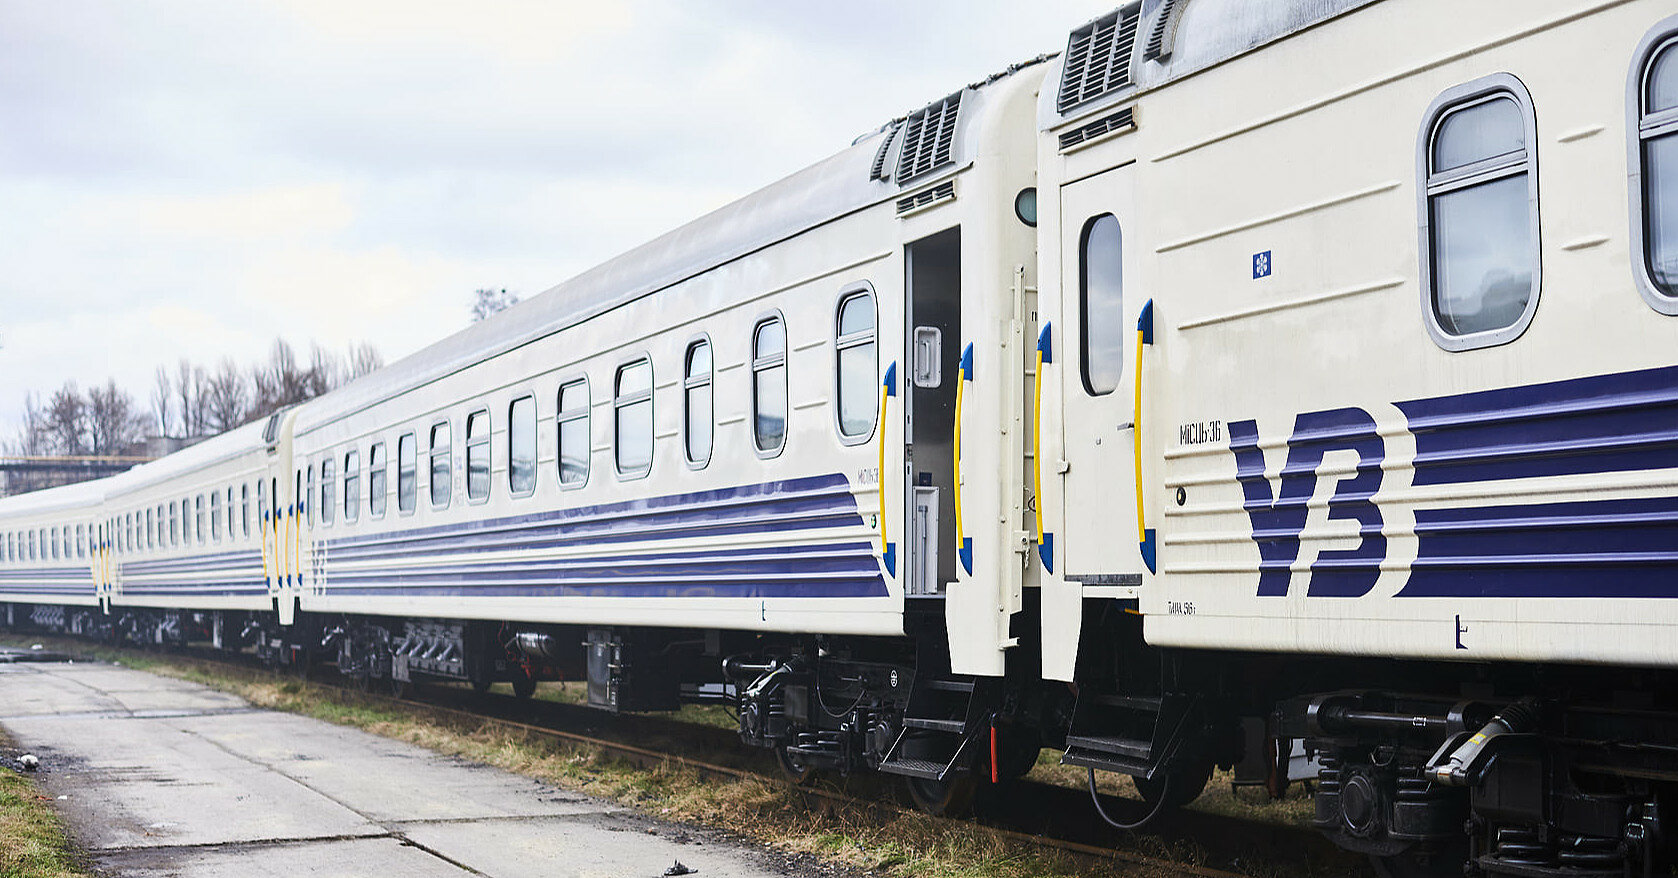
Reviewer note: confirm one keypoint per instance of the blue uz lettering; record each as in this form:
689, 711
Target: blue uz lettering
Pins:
1278, 523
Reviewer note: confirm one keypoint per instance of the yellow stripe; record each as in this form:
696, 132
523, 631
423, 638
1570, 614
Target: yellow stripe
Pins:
1037, 445
880, 481
1136, 439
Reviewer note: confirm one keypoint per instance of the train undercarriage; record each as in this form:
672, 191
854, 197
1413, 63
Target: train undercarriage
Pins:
1527, 772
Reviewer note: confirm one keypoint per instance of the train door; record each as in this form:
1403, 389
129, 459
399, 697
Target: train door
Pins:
933, 279
1101, 301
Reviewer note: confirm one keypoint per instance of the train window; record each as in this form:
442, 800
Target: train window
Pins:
57, 545
407, 473
573, 435
698, 405
151, 532
352, 485
174, 523
442, 447
1101, 303
521, 446
306, 496
1654, 162
32, 545
328, 490
769, 386
477, 456
858, 366
198, 519
377, 476
230, 514
1479, 214
81, 541
632, 424
215, 516
244, 511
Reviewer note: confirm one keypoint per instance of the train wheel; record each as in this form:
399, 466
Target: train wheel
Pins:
794, 769
524, 686
1182, 787
481, 685
1444, 862
950, 797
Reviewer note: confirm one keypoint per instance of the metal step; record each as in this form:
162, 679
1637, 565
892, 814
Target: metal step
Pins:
926, 768
1124, 748
1107, 762
1148, 703
948, 685
953, 726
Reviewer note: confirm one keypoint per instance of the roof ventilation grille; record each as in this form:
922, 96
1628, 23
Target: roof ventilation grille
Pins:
926, 197
1123, 120
878, 170
928, 138
1098, 58
1163, 33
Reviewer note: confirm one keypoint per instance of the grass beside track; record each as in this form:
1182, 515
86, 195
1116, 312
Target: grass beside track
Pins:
764, 811
33, 843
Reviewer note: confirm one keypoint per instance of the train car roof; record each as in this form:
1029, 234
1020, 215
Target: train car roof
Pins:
211, 451
75, 496
831, 188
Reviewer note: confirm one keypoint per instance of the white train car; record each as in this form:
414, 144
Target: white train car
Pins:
1359, 299
49, 556
197, 531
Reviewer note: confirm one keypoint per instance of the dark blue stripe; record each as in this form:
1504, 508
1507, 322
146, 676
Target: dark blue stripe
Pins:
1604, 423
191, 563
1589, 549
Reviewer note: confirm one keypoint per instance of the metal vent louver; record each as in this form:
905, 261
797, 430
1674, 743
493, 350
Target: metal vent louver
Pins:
878, 171
926, 197
1163, 33
928, 136
1122, 120
1098, 58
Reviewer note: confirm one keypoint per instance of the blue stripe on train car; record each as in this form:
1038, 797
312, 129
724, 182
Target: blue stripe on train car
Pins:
1624, 548
842, 569
72, 581
1599, 548
1604, 423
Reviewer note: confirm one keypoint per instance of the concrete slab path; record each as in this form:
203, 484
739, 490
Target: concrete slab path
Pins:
161, 777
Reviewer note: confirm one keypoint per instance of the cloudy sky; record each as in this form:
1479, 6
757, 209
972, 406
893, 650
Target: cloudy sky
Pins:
191, 178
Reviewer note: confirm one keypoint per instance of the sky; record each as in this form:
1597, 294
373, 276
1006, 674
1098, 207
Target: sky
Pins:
192, 178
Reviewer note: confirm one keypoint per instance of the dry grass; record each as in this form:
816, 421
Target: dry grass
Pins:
32, 839
1222, 796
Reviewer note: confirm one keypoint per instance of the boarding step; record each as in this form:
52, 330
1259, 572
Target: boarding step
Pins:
1105, 761
926, 768
1127, 748
953, 726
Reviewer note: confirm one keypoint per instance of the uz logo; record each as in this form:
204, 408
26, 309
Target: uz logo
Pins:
1279, 520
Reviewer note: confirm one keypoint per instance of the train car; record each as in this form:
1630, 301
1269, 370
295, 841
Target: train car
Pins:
1373, 305
200, 539
49, 556
787, 434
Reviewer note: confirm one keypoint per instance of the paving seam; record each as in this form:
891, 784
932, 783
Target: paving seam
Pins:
140, 715
507, 818
254, 842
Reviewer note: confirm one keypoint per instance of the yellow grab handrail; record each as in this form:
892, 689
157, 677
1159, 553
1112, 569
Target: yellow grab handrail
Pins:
888, 389
964, 543
1144, 336
1045, 356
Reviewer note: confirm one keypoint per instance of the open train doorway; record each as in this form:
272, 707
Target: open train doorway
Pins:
933, 269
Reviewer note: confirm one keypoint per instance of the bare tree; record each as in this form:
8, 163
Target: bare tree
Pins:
325, 370
161, 394
490, 302
189, 390
66, 420
227, 393
114, 424
363, 358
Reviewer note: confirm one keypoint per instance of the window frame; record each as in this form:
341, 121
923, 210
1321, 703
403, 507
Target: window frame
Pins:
487, 443
411, 438
619, 402
380, 451
327, 499
690, 384
447, 426
1084, 305
535, 445
1660, 38
754, 366
844, 343
352, 476
560, 420
1496, 86
215, 517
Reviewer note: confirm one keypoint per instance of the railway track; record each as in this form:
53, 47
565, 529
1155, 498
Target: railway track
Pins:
1032, 814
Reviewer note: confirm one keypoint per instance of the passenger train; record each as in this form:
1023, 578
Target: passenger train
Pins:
1244, 377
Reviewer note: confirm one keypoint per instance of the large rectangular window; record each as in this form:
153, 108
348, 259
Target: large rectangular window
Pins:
407, 473
198, 520
306, 497
174, 523
632, 407
262, 522
215, 516
1101, 303
378, 475
477, 456
698, 404
857, 365
769, 386
1655, 141
1479, 214
442, 470
521, 446
573, 433
352, 485
328, 490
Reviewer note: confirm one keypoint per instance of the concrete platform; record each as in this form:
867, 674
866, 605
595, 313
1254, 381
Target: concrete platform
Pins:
163, 777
